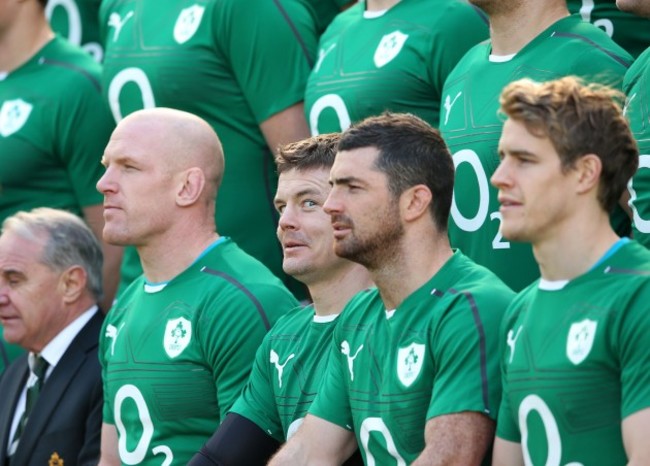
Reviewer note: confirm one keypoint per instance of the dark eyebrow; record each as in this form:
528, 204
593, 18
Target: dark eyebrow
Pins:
11, 272
515, 153
346, 180
307, 191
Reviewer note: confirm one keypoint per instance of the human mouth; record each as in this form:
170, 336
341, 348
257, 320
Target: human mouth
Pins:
292, 245
4, 320
507, 203
341, 230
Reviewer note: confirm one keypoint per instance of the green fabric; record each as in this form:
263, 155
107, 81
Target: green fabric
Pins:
235, 69
175, 360
54, 126
288, 370
436, 355
629, 31
398, 61
575, 362
471, 127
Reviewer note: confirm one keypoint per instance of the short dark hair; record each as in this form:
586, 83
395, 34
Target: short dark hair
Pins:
578, 119
411, 152
315, 152
43, 3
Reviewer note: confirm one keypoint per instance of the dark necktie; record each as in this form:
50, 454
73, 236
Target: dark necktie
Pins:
39, 368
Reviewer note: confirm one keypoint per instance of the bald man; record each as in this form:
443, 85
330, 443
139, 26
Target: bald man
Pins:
178, 345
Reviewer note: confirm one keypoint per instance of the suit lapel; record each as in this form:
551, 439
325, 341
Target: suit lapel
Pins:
56, 386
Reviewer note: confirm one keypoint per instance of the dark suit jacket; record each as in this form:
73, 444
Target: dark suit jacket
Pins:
67, 417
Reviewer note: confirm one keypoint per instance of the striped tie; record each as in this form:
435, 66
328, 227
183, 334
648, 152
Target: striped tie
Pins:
38, 367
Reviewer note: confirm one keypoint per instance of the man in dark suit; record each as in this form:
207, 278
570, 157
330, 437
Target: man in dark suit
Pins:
50, 282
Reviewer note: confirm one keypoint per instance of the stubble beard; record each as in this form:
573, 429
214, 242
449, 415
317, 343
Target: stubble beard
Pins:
376, 249
496, 7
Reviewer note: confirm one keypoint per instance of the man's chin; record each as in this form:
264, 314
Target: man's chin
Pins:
296, 270
515, 236
115, 238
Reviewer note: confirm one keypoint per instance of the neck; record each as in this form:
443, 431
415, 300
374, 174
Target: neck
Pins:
21, 40
331, 295
166, 256
379, 5
511, 30
564, 254
414, 265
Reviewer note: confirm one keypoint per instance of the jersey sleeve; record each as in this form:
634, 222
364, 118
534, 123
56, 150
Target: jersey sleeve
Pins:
270, 48
634, 355
449, 44
604, 66
507, 428
465, 345
104, 345
231, 332
83, 132
257, 401
331, 402
637, 80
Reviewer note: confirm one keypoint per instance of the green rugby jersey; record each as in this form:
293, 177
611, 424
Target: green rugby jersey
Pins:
575, 362
54, 125
397, 61
629, 31
234, 63
288, 370
78, 22
471, 128
636, 85
175, 357
324, 11
437, 354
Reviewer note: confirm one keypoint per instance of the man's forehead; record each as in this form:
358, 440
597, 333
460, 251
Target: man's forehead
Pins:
16, 251
294, 178
360, 158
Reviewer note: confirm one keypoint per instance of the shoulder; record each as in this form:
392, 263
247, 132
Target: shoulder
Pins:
362, 304
478, 280
582, 39
298, 318
479, 53
457, 14
640, 68
227, 277
72, 65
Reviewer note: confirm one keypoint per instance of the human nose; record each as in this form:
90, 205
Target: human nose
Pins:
332, 204
105, 183
500, 177
4, 295
288, 219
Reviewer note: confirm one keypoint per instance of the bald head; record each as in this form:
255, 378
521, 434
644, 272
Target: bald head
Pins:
163, 169
179, 140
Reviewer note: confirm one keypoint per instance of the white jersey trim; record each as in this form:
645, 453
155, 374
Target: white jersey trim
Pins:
325, 319
501, 58
374, 14
552, 285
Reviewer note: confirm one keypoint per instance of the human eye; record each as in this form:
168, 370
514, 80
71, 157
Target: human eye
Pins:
13, 279
309, 204
524, 159
280, 207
